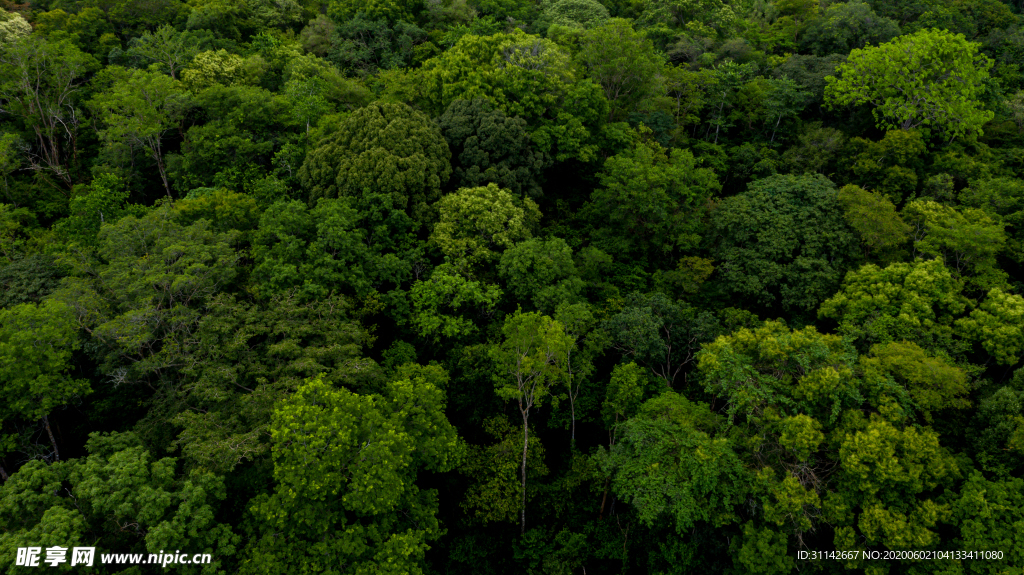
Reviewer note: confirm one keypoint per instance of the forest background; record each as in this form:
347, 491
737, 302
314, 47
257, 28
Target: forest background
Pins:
504, 286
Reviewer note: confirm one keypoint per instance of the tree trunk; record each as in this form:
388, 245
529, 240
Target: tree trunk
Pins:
604, 498
53, 440
163, 172
3, 473
522, 509
572, 411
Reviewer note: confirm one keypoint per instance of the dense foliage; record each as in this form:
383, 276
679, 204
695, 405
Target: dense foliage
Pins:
514, 286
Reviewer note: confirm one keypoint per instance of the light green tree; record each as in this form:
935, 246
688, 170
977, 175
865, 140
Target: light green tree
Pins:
121, 499
477, 224
874, 217
930, 78
998, 324
932, 381
530, 360
212, 67
345, 467
13, 27
903, 301
448, 304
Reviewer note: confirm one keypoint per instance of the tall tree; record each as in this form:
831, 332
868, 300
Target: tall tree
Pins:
138, 110
530, 359
39, 81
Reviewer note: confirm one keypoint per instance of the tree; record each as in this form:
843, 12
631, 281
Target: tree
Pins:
476, 224
623, 397
932, 382
36, 345
652, 200
390, 10
576, 13
245, 358
673, 459
13, 27
587, 342
382, 148
782, 241
104, 200
170, 49
787, 390
997, 325
624, 63
661, 334
768, 102
989, 516
138, 110
119, 498
915, 301
495, 494
489, 147
541, 272
247, 127
141, 294
1003, 200
968, 238
308, 99
366, 46
212, 67
364, 509
38, 83
442, 302
893, 166
930, 78
313, 251
530, 359
874, 218
847, 26
522, 75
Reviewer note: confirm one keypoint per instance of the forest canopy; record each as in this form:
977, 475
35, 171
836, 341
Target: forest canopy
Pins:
513, 286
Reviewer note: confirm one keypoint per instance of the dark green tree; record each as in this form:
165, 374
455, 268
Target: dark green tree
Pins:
782, 242
382, 149
489, 147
